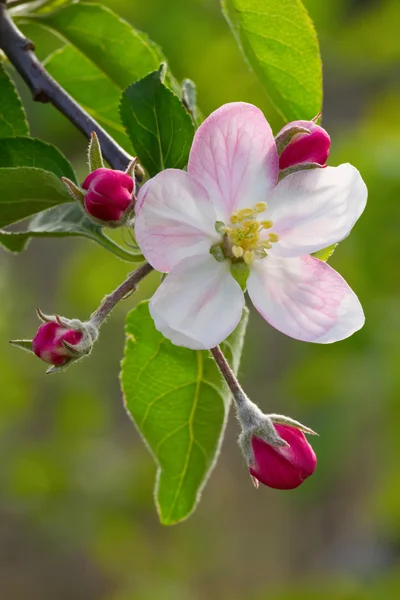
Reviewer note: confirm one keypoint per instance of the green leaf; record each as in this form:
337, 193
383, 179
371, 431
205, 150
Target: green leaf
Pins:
64, 221
26, 191
325, 253
159, 126
12, 115
119, 51
180, 406
30, 152
91, 87
280, 43
48, 5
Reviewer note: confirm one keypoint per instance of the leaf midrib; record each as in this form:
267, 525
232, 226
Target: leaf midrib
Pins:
200, 370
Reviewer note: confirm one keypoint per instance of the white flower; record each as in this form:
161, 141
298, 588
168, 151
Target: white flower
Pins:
227, 216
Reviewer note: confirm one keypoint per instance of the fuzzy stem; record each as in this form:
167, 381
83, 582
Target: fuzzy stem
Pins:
248, 413
20, 52
238, 394
126, 288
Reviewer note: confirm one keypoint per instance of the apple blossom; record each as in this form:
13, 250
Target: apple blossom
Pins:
227, 224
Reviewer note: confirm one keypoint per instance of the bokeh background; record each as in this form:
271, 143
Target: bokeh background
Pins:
77, 520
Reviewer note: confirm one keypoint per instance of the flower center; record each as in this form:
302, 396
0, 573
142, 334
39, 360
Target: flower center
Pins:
244, 239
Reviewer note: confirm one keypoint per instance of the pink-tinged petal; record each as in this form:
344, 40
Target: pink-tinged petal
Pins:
176, 337
314, 209
287, 467
199, 303
304, 298
234, 157
175, 219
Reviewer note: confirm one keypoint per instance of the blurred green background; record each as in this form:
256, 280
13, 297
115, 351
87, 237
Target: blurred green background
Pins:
77, 520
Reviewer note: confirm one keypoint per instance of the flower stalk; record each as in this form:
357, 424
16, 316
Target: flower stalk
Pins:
124, 290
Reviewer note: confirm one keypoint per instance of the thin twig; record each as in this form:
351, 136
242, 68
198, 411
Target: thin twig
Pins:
20, 52
123, 290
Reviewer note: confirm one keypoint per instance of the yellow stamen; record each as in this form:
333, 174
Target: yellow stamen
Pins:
244, 213
248, 257
237, 251
243, 236
260, 207
266, 224
266, 245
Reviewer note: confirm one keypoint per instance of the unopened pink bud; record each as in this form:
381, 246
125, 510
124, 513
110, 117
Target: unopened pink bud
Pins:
109, 195
305, 147
286, 467
47, 343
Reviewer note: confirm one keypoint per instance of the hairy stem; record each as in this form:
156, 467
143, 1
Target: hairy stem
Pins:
123, 290
229, 376
20, 52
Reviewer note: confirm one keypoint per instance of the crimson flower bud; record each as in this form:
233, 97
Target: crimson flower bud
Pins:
311, 146
47, 343
60, 341
110, 196
286, 467
274, 446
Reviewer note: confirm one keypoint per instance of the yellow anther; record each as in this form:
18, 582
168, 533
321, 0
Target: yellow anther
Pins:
273, 237
260, 207
253, 227
229, 230
266, 245
248, 257
244, 213
266, 224
237, 251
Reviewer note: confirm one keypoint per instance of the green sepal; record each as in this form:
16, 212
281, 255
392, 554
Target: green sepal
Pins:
325, 253
130, 169
240, 272
217, 252
74, 190
23, 344
283, 140
306, 166
95, 156
189, 97
218, 227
